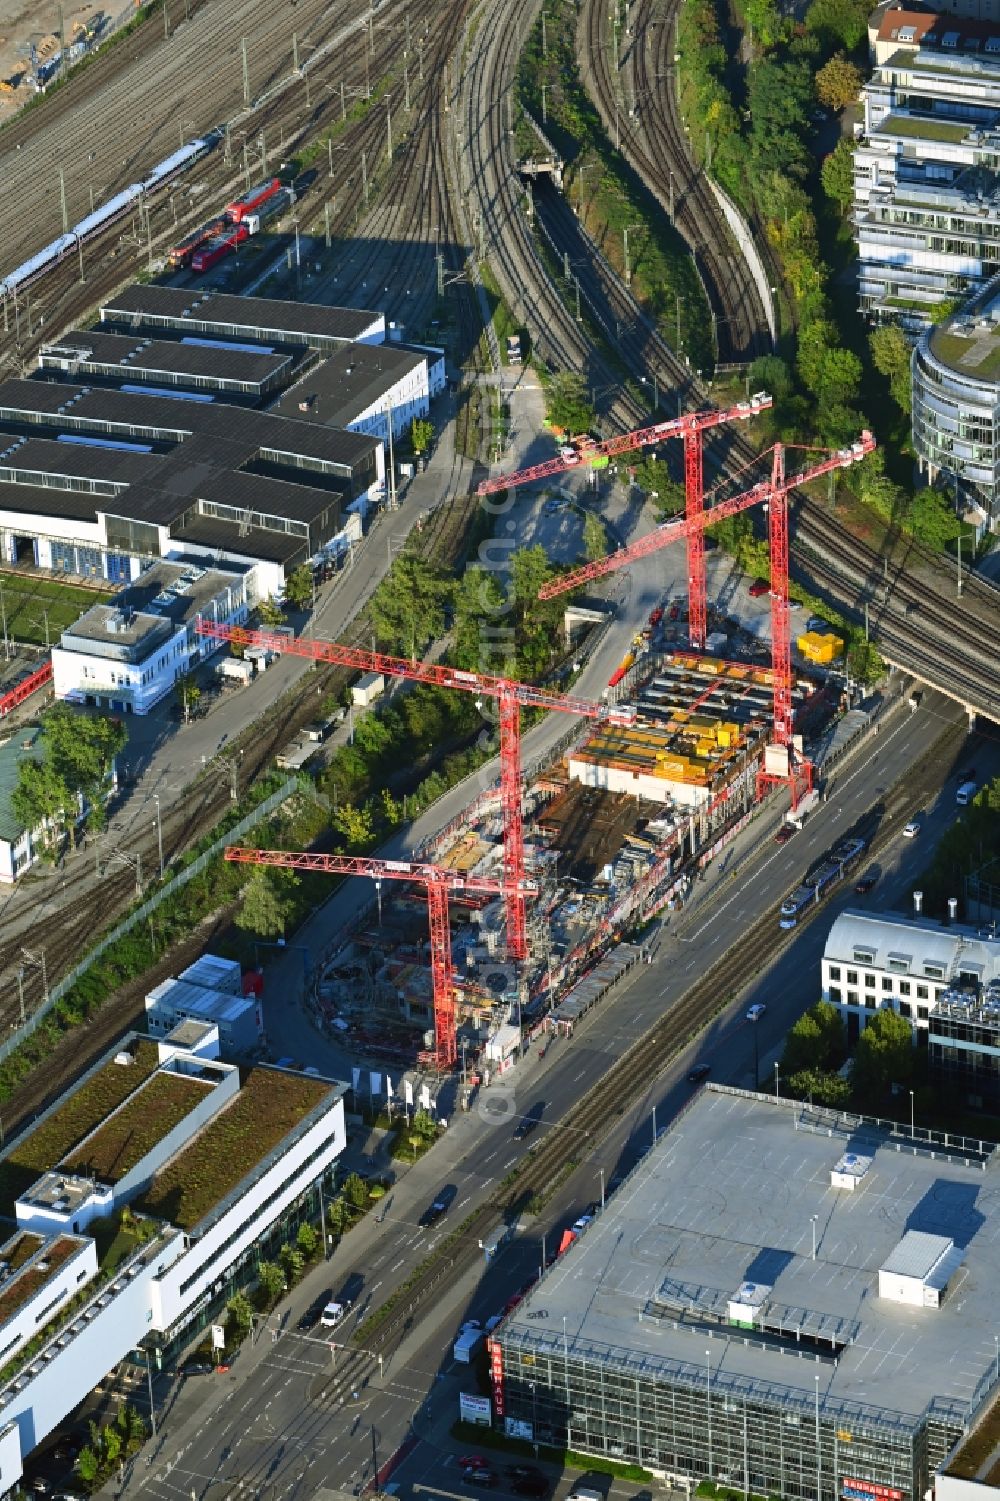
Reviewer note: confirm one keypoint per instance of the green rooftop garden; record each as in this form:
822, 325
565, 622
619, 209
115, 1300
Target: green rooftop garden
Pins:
19, 1290
52, 1138
955, 349
144, 1120
268, 1107
21, 1249
924, 129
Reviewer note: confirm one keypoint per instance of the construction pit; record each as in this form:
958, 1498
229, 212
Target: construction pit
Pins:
615, 830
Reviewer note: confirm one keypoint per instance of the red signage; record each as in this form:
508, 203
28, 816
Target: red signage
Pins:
867, 1490
496, 1372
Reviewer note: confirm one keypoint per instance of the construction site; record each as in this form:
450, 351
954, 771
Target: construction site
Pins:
518, 915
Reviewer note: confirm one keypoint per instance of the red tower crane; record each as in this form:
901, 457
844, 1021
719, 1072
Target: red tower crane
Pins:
690, 427
438, 882
510, 697
774, 494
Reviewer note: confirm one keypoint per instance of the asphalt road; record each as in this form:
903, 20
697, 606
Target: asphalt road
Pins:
285, 1420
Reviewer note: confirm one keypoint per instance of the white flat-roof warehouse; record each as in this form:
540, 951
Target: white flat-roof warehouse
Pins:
836, 1377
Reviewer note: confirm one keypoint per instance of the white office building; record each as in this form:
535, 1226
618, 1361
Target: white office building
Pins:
358, 388
956, 406
207, 1165
907, 963
927, 177
127, 655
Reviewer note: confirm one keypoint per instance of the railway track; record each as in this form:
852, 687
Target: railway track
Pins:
597, 1112
655, 146
62, 301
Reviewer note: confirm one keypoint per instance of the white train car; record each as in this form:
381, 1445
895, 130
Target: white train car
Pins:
37, 265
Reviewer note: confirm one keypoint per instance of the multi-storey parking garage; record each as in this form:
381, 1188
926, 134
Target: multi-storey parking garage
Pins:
773, 1299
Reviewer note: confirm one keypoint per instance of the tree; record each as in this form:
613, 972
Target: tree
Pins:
336, 1216
355, 1190
837, 174
815, 1041
272, 1280
839, 23
891, 357
240, 1312
838, 83
536, 621
770, 373
270, 614
187, 693
595, 538
268, 901
300, 588
355, 826
407, 608
40, 796
839, 377
77, 754
568, 404
87, 1465
931, 517
292, 1261
666, 493
483, 636
424, 1125
307, 1239
883, 1057
766, 22
820, 1087
421, 434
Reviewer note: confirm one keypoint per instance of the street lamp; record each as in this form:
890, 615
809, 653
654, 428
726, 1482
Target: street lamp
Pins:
912, 1126
602, 1188
756, 1054
777, 1083
812, 1219
159, 831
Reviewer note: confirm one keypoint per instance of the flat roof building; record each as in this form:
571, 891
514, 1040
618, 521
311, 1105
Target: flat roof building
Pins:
359, 386
732, 1315
222, 315
207, 1161
128, 654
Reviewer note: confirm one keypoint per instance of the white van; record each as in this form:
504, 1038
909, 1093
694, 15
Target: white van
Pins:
965, 794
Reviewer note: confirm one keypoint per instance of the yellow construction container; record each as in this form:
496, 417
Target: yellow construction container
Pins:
821, 649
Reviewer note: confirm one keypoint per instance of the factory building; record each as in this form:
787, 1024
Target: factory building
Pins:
909, 963
255, 320
956, 405
127, 655
101, 482
927, 171
210, 1163
777, 1299
358, 388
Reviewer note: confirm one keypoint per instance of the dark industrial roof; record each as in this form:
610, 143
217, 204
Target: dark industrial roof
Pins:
257, 316
211, 531
338, 390
44, 455
140, 418
129, 353
46, 500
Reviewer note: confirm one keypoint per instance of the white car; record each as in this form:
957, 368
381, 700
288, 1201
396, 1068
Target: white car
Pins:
756, 1012
912, 829
332, 1315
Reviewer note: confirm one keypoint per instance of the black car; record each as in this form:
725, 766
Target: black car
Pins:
865, 885
439, 1208
529, 1120
699, 1072
312, 1313
524, 1472
482, 1478
530, 1485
